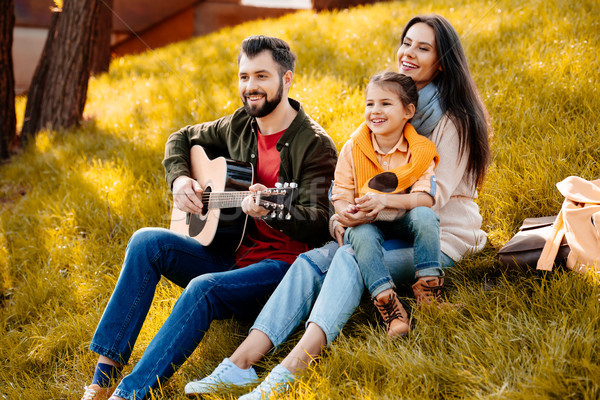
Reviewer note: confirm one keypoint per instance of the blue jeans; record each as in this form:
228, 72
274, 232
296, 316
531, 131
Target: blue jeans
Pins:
421, 226
326, 286
213, 290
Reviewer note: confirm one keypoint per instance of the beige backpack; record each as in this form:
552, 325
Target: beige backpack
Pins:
579, 222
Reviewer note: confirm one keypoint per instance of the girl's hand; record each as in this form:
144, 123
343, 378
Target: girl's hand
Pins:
351, 209
371, 203
354, 219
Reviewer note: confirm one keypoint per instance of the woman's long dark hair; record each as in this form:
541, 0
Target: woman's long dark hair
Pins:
459, 95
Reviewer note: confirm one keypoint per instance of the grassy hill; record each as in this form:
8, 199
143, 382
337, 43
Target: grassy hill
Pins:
69, 203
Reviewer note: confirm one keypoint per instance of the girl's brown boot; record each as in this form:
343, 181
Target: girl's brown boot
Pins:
392, 312
428, 289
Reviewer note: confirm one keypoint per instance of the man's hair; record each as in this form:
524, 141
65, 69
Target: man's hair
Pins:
400, 84
280, 50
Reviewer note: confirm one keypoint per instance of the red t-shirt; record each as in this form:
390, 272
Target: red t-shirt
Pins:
261, 241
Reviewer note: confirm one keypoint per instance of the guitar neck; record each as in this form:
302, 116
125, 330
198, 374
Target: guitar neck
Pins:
225, 199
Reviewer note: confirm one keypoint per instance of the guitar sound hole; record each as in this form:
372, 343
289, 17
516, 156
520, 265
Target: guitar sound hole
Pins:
197, 222
205, 197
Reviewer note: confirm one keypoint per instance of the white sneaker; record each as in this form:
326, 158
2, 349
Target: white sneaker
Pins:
278, 381
95, 392
226, 373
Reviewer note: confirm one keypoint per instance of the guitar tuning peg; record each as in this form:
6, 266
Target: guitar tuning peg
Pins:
288, 216
273, 214
280, 216
293, 185
278, 185
286, 185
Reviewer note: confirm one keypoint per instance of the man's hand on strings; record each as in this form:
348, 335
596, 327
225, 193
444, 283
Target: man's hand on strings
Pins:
250, 204
187, 194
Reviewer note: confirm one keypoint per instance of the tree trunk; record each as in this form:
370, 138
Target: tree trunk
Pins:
32, 122
8, 120
101, 39
67, 81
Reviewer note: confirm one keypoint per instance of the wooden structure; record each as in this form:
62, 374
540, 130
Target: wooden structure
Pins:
139, 25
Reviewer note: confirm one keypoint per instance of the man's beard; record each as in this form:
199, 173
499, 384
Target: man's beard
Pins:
269, 105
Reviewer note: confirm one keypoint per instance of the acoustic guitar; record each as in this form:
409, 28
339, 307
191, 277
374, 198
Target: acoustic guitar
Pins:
225, 183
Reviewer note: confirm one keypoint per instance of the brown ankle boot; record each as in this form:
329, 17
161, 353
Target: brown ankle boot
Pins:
393, 314
428, 289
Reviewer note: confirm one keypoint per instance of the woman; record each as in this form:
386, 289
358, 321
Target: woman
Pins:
451, 114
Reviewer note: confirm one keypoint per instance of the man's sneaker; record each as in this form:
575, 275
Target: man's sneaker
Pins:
393, 314
95, 392
428, 289
226, 373
278, 381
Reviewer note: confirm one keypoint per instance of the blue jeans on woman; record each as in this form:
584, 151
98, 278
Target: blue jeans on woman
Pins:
214, 289
326, 285
420, 225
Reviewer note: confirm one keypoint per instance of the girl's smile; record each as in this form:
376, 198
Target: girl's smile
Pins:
385, 114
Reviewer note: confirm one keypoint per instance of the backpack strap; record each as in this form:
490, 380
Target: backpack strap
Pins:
546, 260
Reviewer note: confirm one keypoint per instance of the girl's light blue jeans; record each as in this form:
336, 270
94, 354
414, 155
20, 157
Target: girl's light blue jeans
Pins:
325, 285
213, 290
421, 226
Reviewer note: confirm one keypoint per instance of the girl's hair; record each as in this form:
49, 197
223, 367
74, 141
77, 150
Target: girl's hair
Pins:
459, 95
400, 84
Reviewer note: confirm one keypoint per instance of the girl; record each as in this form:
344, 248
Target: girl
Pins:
391, 167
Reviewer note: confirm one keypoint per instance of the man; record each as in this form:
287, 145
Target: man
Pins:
275, 135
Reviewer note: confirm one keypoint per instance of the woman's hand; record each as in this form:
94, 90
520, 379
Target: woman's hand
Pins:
348, 215
339, 234
371, 203
187, 194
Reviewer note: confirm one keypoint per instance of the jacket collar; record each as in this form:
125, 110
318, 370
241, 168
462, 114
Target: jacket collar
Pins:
295, 126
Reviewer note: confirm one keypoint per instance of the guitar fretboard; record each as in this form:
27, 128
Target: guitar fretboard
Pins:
225, 199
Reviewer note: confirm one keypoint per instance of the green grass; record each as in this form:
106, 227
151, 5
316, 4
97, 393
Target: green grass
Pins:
69, 203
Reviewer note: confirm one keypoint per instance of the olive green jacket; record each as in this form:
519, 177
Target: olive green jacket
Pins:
308, 158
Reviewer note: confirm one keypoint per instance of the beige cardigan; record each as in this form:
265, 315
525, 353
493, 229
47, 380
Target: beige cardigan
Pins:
460, 221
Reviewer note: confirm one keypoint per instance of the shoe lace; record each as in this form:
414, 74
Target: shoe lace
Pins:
390, 309
272, 384
215, 377
433, 292
89, 393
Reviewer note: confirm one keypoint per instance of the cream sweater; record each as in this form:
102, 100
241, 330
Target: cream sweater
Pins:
460, 221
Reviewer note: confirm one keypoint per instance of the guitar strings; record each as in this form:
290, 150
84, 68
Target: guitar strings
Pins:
227, 199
